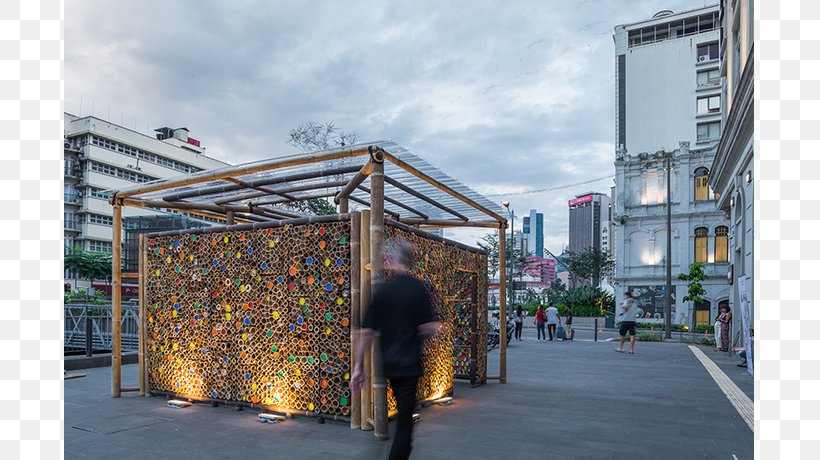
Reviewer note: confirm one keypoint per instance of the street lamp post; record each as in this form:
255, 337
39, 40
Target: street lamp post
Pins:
509, 266
668, 311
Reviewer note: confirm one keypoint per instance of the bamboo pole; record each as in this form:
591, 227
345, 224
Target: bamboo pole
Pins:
397, 203
344, 205
360, 176
256, 226
250, 168
407, 167
142, 322
279, 191
502, 294
444, 223
355, 322
364, 295
116, 303
376, 279
423, 197
230, 218
362, 202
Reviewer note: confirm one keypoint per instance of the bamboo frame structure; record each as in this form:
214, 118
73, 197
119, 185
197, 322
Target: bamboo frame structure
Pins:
251, 203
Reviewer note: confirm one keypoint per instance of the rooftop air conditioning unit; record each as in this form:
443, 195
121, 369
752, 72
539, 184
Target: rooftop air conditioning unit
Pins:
703, 58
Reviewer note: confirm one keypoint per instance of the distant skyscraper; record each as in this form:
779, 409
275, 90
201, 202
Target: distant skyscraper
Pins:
534, 231
588, 222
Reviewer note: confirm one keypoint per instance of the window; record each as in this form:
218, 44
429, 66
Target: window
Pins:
100, 194
100, 246
708, 52
708, 131
722, 244
126, 174
100, 219
701, 184
701, 238
709, 77
143, 155
709, 104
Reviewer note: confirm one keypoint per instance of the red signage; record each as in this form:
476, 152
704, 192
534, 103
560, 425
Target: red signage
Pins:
193, 141
128, 290
580, 200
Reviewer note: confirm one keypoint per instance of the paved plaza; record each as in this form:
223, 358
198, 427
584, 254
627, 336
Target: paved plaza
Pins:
570, 400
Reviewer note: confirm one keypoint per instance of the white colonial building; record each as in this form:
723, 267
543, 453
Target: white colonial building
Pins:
668, 99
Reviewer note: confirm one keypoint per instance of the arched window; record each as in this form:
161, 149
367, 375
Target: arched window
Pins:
701, 238
722, 244
701, 184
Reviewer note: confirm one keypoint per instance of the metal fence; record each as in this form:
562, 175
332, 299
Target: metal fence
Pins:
88, 327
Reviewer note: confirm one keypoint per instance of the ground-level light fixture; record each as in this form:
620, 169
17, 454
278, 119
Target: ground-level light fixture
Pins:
271, 418
178, 403
445, 401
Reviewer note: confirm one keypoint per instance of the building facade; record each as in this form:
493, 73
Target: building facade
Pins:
668, 102
667, 79
732, 169
589, 222
534, 232
101, 156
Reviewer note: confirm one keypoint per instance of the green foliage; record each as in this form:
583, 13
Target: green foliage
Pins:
588, 301
81, 296
588, 264
87, 265
705, 328
516, 258
660, 326
695, 276
556, 290
644, 336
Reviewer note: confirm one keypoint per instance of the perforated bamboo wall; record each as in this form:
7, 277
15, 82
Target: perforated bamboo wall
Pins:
263, 316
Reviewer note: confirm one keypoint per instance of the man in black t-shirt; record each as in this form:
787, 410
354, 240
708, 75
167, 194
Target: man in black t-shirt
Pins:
403, 312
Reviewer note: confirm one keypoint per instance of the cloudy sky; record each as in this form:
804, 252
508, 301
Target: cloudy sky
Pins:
506, 98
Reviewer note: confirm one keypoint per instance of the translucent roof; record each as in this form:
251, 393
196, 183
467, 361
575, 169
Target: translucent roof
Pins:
325, 178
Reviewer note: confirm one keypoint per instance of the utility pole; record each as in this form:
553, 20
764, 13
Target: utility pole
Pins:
668, 312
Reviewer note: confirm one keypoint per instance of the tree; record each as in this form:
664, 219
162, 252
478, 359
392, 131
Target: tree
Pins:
89, 266
517, 260
695, 276
556, 290
588, 265
311, 137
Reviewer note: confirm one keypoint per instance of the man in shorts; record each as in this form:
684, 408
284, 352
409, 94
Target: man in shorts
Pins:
628, 312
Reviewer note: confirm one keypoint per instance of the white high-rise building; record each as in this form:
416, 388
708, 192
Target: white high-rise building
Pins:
99, 156
668, 103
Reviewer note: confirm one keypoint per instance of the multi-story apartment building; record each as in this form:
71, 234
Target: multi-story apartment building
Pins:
100, 156
732, 168
589, 224
668, 103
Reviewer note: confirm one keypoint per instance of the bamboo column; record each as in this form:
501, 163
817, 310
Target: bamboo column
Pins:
502, 294
364, 295
355, 300
376, 278
142, 322
344, 205
116, 303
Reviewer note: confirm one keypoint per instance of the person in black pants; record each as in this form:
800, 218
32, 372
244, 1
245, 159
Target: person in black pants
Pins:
403, 312
519, 323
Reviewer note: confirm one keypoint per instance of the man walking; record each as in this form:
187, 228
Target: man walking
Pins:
568, 323
628, 311
403, 312
553, 319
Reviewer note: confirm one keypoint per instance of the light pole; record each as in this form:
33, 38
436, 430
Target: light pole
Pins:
510, 261
668, 312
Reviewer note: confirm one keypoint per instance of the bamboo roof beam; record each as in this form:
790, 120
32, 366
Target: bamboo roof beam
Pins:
362, 202
423, 197
443, 223
412, 170
354, 182
397, 203
250, 168
257, 187
280, 191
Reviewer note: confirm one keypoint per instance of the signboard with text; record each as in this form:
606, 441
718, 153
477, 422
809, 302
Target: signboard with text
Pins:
580, 200
652, 301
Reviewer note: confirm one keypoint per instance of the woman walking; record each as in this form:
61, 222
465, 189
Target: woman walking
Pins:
540, 321
725, 337
519, 323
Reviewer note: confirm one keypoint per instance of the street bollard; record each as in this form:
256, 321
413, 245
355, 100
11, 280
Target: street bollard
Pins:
596, 329
89, 326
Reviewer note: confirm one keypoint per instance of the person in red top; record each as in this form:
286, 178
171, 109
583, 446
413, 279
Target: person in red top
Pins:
540, 321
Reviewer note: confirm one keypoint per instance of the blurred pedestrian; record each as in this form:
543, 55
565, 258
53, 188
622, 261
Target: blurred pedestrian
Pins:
725, 323
718, 327
553, 320
403, 312
540, 321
